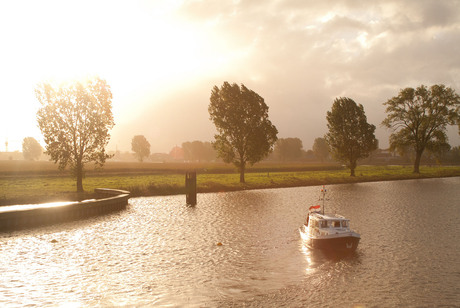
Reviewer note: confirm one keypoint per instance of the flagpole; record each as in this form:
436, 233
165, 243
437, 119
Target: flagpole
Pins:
323, 190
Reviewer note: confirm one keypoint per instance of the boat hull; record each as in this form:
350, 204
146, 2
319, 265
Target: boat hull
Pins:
348, 243
337, 243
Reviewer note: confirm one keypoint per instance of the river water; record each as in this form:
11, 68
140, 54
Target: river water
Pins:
244, 249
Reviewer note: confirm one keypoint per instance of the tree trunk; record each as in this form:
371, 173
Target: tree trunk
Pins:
242, 169
352, 168
418, 158
79, 174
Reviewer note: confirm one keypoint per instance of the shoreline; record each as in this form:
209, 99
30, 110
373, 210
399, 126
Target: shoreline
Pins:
168, 184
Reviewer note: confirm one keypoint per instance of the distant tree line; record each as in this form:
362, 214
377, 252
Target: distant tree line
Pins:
75, 120
141, 147
31, 149
197, 151
288, 149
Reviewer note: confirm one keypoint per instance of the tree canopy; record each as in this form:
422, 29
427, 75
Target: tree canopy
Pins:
321, 149
75, 120
244, 132
141, 147
31, 149
288, 149
198, 151
350, 137
419, 117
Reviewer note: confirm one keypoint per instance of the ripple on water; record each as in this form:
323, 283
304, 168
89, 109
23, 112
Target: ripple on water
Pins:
161, 252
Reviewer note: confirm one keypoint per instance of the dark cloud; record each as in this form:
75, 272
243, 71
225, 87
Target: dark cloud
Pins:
300, 55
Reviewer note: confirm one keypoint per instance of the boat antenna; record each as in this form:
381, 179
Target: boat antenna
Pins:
323, 196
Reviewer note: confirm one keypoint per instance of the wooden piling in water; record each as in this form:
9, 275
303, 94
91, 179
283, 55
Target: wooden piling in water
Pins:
190, 187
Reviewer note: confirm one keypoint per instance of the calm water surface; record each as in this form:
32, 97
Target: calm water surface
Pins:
160, 252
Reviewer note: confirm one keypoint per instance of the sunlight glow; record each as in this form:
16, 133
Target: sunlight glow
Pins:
329, 16
309, 269
138, 47
362, 39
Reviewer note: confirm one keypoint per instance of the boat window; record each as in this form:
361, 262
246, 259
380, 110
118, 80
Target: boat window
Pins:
344, 223
313, 223
336, 223
323, 223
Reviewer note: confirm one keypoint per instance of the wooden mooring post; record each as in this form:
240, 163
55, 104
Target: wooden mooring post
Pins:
190, 187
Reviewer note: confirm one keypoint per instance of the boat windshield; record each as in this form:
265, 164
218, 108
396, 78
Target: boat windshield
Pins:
333, 224
313, 223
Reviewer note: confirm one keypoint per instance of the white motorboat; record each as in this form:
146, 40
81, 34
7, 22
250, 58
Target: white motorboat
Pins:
328, 231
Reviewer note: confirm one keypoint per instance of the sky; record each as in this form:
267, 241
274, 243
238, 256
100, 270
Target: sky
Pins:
162, 59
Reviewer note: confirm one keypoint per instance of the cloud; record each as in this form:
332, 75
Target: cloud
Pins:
300, 55
162, 59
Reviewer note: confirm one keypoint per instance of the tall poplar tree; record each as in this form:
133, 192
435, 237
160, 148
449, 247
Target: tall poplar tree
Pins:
350, 137
245, 134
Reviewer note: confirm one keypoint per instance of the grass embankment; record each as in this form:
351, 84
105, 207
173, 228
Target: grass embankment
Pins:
39, 185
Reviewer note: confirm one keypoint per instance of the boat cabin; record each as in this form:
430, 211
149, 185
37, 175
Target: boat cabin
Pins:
328, 231
319, 222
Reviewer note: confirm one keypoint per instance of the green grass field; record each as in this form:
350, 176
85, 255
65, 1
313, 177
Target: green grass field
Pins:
30, 183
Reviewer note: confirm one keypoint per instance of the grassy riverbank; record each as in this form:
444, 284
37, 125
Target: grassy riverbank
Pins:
44, 184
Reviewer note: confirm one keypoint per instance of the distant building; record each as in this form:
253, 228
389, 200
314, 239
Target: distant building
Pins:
177, 153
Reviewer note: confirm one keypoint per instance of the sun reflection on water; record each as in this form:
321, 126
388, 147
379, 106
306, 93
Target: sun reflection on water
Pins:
307, 254
161, 253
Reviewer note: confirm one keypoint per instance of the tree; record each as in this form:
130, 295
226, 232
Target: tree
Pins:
457, 112
208, 152
350, 137
176, 153
75, 120
453, 156
198, 150
418, 118
245, 134
189, 153
321, 149
141, 147
288, 149
31, 149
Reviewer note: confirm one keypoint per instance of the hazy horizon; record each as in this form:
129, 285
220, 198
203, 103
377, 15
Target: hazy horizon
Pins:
162, 58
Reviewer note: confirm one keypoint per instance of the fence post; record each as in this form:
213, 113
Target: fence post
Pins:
190, 187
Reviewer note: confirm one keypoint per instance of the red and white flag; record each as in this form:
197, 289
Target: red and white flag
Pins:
314, 207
